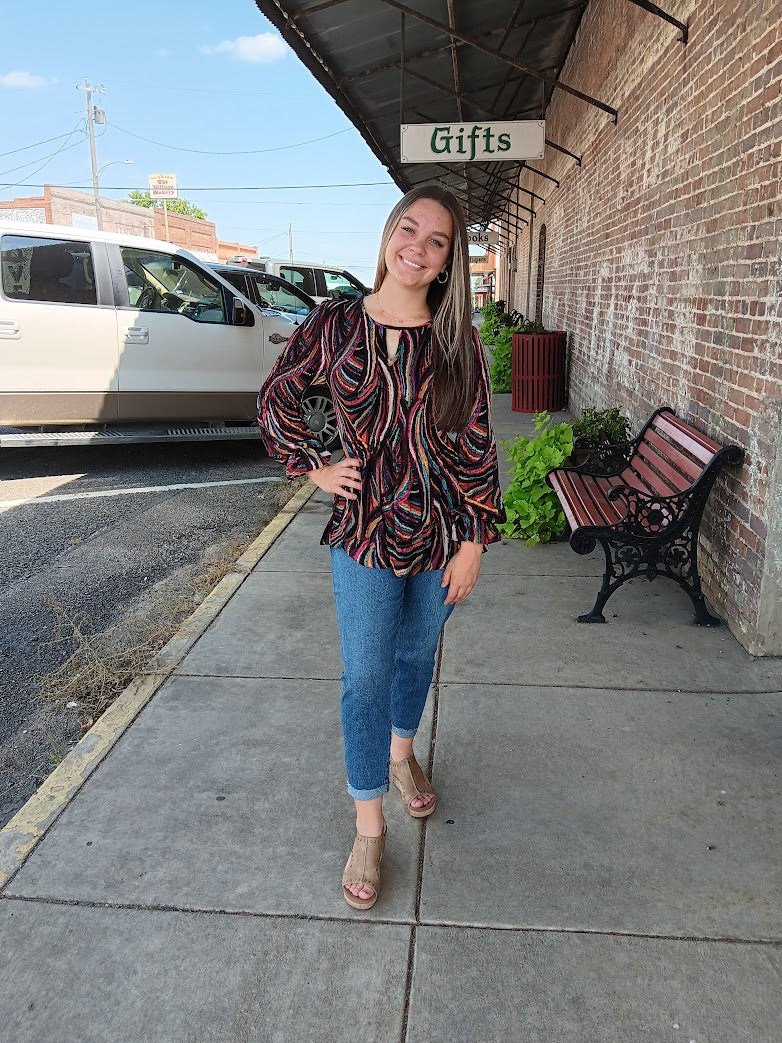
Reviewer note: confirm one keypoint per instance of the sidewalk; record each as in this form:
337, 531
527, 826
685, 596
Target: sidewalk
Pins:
604, 864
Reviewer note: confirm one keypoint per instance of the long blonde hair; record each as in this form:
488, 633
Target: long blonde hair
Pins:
449, 303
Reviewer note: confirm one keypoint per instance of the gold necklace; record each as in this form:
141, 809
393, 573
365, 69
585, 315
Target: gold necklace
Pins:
396, 319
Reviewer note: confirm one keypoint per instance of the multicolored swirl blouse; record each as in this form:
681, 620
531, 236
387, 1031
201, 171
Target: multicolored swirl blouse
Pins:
422, 491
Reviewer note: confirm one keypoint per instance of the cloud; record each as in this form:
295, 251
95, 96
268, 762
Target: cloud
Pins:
24, 80
265, 47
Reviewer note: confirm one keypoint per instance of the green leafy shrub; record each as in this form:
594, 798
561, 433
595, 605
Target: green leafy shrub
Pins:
602, 426
502, 352
532, 508
495, 321
500, 366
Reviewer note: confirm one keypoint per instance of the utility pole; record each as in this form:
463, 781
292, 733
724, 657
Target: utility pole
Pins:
290, 242
93, 115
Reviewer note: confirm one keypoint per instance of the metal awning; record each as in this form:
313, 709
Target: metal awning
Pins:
386, 62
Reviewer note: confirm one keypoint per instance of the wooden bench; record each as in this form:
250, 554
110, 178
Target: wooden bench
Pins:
643, 503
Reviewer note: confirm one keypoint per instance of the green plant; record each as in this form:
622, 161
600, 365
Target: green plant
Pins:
174, 206
531, 506
502, 352
607, 426
495, 320
500, 366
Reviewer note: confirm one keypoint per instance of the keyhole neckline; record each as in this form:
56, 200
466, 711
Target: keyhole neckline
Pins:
388, 326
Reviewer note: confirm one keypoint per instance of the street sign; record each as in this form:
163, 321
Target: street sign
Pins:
487, 238
472, 142
163, 186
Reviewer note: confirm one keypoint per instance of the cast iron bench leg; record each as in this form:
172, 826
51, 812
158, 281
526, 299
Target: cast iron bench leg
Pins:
605, 592
680, 563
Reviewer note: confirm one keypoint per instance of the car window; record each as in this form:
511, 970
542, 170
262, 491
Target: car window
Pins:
337, 285
240, 282
301, 277
38, 269
271, 294
161, 282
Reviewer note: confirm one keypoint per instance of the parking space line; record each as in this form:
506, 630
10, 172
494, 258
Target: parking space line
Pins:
6, 504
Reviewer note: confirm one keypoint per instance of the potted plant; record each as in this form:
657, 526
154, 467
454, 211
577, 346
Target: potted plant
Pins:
532, 509
538, 369
497, 332
602, 431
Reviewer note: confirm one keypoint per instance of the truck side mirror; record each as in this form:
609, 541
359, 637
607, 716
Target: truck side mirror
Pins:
242, 316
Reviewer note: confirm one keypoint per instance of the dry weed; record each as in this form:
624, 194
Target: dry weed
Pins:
101, 665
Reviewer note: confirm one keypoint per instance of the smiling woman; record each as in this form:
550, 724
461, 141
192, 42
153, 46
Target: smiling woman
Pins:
416, 498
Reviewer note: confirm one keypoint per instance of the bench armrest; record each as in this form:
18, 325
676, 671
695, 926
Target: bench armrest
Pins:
649, 515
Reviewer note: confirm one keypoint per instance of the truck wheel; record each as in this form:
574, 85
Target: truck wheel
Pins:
320, 416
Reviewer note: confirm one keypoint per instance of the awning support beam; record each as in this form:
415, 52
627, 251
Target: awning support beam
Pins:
551, 80
654, 9
540, 173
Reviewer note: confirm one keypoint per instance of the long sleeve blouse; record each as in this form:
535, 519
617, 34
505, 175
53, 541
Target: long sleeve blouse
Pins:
423, 491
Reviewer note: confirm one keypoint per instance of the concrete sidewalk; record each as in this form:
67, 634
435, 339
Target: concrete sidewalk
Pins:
604, 863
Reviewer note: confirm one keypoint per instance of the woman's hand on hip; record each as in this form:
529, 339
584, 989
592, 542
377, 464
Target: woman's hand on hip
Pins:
461, 572
340, 479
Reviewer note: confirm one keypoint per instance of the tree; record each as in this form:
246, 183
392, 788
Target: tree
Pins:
174, 206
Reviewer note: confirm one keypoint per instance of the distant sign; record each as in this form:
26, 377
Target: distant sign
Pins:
487, 238
472, 142
163, 186
83, 221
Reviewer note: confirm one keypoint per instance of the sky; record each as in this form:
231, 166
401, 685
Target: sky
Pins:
188, 89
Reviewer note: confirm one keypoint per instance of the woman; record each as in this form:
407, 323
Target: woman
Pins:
416, 497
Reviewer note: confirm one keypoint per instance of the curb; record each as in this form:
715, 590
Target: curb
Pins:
20, 836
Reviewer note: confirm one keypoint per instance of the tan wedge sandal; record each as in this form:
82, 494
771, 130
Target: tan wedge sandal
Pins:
411, 783
363, 867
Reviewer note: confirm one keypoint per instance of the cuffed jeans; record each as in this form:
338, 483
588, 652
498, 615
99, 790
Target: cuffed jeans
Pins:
389, 628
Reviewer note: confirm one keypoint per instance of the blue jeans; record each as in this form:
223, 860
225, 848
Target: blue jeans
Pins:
389, 628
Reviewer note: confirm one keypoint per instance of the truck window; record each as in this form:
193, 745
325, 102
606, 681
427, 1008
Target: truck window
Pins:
275, 295
162, 282
56, 270
301, 277
338, 285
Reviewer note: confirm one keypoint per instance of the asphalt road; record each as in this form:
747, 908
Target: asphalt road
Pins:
100, 532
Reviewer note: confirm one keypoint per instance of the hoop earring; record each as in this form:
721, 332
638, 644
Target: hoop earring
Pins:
444, 272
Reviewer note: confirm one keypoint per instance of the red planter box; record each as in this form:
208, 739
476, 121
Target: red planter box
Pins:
538, 372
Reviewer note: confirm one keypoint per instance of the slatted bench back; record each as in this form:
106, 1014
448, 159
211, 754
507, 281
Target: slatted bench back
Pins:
669, 458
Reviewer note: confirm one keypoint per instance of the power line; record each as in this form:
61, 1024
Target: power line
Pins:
46, 162
234, 188
221, 152
31, 162
37, 143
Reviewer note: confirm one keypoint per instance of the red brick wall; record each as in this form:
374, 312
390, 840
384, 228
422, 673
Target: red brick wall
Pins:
32, 203
225, 251
663, 255
200, 237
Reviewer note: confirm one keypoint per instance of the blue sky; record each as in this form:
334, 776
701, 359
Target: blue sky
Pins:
202, 76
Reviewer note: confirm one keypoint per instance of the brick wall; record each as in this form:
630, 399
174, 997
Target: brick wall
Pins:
663, 257
29, 208
200, 237
225, 251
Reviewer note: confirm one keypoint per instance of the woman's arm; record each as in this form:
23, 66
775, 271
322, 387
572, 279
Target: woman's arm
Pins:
480, 509
283, 430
